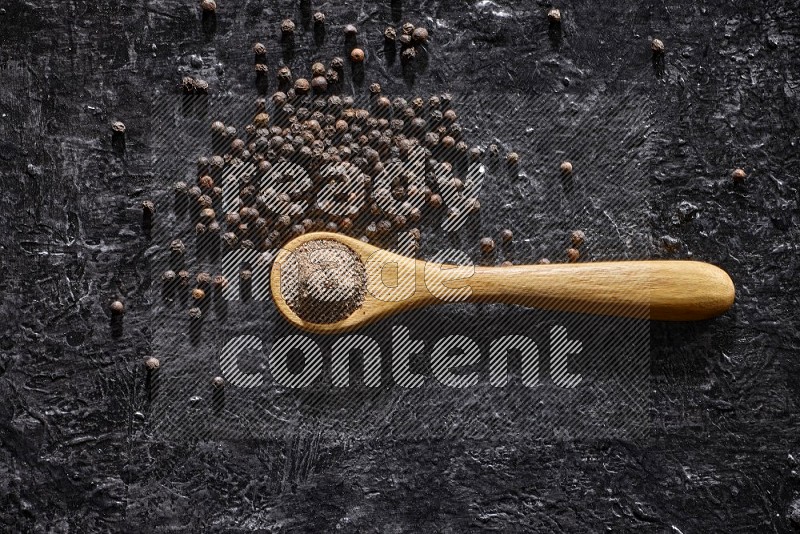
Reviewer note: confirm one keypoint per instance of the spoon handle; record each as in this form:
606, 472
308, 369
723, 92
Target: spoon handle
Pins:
659, 290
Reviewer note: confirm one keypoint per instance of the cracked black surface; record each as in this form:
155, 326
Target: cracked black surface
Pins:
724, 446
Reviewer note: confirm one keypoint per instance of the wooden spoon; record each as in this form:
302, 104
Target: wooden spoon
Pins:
661, 290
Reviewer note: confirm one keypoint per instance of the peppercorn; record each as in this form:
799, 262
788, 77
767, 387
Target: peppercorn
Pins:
118, 127
230, 239
148, 207
203, 278
357, 55
408, 28
208, 5
506, 264
220, 281
183, 277
287, 27
177, 246
543, 261
237, 145
554, 15
475, 154
420, 35
435, 200
506, 235
319, 18
301, 86
259, 49
375, 89
486, 245
657, 46
450, 115
218, 382
151, 364
512, 158
337, 63
198, 294
573, 255
168, 276
409, 54
117, 307
279, 99
200, 86
577, 238
284, 221
390, 33
206, 182
350, 31
317, 69
448, 142
320, 84
566, 167
285, 74
738, 175
208, 213
218, 127
195, 313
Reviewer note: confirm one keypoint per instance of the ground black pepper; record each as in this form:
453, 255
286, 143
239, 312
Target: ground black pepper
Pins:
323, 281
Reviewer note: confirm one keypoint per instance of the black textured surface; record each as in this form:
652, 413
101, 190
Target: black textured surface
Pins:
722, 455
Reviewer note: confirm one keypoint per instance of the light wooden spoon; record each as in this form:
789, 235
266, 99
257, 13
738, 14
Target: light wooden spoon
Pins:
664, 290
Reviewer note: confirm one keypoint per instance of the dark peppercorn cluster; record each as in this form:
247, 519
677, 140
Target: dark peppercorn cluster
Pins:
311, 160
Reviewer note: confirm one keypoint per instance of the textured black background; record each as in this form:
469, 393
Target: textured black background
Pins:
724, 445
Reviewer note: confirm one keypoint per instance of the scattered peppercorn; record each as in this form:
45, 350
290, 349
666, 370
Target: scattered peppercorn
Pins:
738, 175
218, 382
198, 294
259, 49
573, 255
408, 28
657, 46
420, 35
390, 33
319, 84
195, 313
208, 5
506, 235
301, 86
506, 264
350, 31
543, 261
578, 238
512, 158
117, 307
287, 27
486, 245
357, 55
168, 276
566, 167
554, 15
319, 18
151, 364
